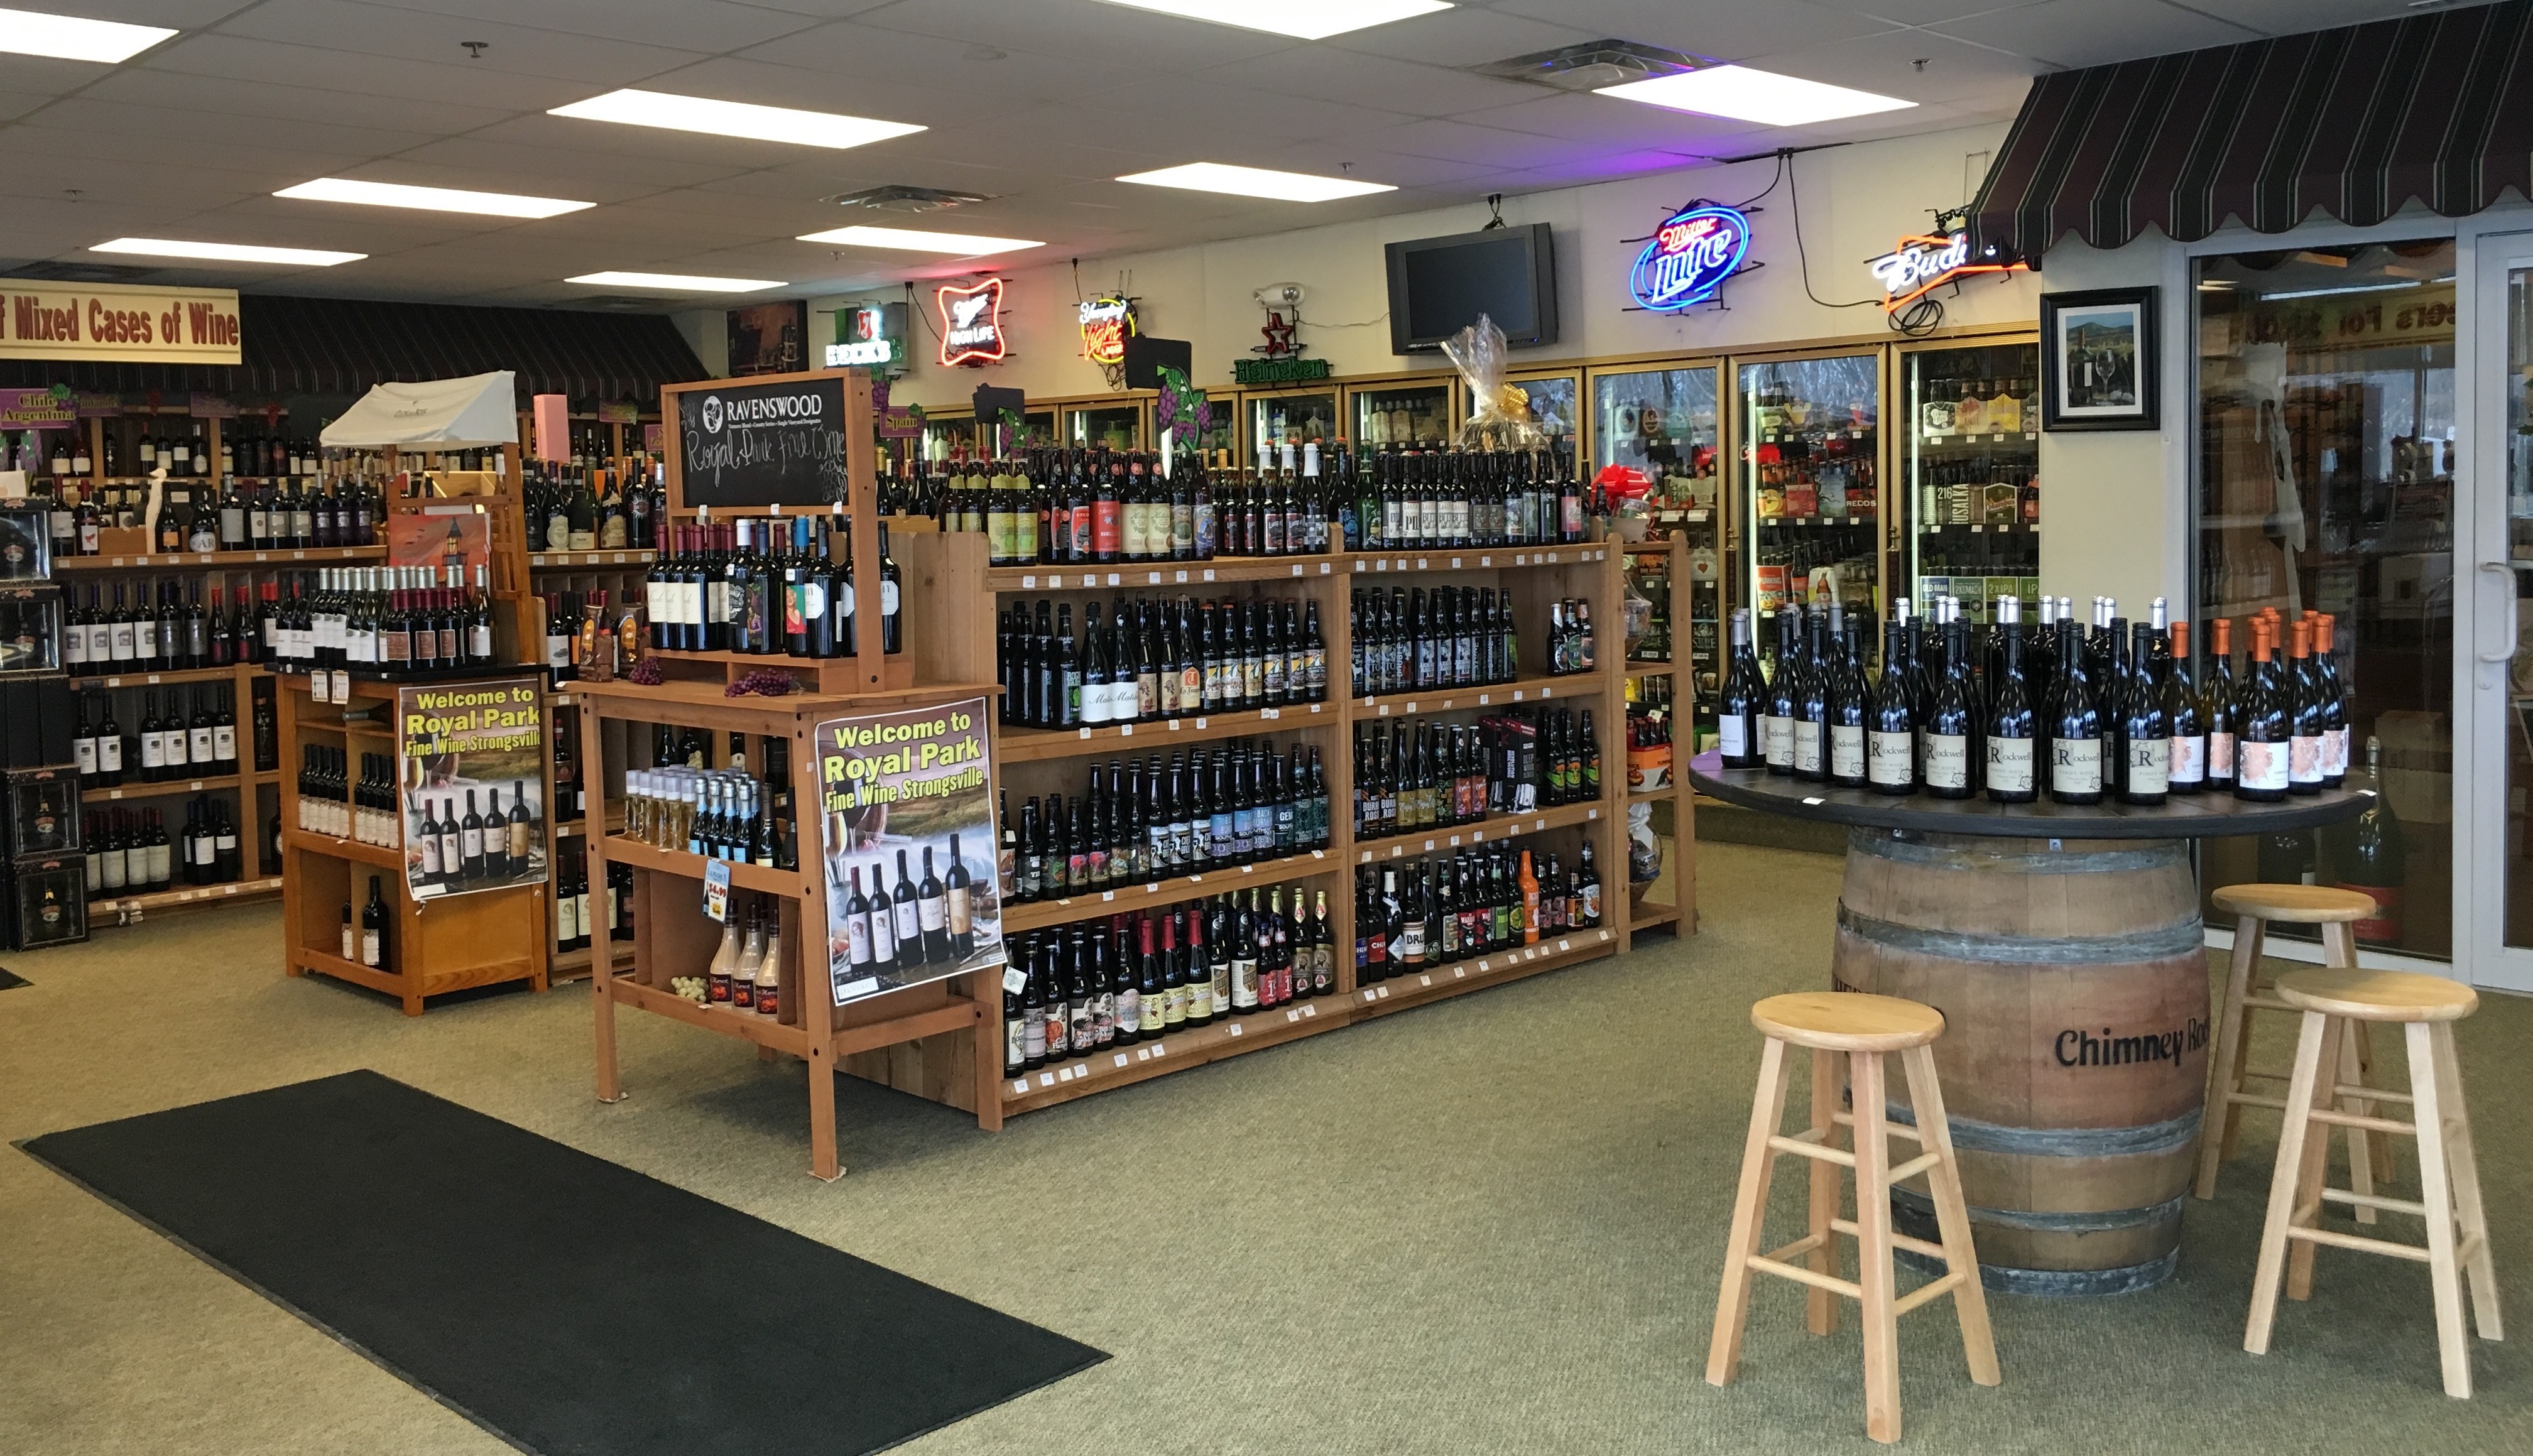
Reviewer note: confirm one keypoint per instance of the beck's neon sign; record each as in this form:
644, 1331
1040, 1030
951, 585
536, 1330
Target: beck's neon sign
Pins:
1924, 262
1691, 256
972, 322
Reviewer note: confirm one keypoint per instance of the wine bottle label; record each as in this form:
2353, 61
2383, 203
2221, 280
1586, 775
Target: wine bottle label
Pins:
2304, 759
932, 914
224, 744
2189, 759
369, 949
1807, 748
2009, 764
2264, 766
1893, 758
109, 754
2076, 766
84, 749
2149, 766
2220, 756
2334, 753
1845, 751
1948, 760
1733, 736
153, 751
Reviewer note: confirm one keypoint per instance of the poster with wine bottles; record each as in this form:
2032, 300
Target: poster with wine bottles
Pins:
469, 785
912, 894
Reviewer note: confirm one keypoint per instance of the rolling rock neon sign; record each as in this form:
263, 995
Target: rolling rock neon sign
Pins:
1925, 263
1689, 256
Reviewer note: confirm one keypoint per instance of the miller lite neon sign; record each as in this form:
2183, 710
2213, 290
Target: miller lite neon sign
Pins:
972, 322
1691, 256
1924, 262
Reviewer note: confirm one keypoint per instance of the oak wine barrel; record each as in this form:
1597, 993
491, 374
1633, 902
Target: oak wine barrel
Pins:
2074, 984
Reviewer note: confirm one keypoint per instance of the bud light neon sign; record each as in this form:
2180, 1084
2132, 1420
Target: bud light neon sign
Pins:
1691, 256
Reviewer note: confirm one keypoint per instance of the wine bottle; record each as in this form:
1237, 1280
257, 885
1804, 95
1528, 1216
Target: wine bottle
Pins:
1846, 702
2012, 722
1742, 708
2218, 709
2075, 733
2306, 716
1777, 728
2188, 730
2335, 703
1811, 706
2265, 732
2146, 728
2372, 858
1952, 725
1892, 753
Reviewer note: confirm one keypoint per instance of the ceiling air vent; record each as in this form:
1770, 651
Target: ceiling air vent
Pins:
1592, 65
80, 272
903, 199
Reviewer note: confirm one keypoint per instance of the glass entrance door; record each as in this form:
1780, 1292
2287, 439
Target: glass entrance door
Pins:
2327, 483
2499, 743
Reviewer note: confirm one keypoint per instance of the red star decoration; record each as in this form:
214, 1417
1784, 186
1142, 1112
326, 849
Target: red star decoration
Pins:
1280, 336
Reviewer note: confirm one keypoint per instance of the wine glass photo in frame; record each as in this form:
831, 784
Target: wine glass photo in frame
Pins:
2098, 360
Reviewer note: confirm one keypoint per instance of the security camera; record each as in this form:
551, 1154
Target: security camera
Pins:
1280, 295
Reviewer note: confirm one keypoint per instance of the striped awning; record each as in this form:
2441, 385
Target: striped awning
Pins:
2356, 123
326, 346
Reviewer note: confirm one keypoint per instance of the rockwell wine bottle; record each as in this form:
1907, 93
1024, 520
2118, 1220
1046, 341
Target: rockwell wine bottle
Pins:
2076, 736
1892, 751
1742, 708
2012, 722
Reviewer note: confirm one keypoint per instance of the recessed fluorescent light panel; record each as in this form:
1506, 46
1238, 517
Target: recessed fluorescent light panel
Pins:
428, 198
69, 37
1308, 20
915, 239
1258, 181
677, 282
635, 108
312, 257
1763, 96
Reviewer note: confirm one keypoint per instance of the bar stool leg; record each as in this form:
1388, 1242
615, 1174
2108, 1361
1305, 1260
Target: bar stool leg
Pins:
1874, 1274
1820, 1307
1952, 1215
2436, 1194
2314, 1167
2465, 1171
2340, 945
1750, 1214
2361, 1167
2243, 979
2293, 1149
2225, 1069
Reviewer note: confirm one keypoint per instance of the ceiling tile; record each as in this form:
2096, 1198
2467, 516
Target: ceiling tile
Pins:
247, 59
1082, 30
414, 35
954, 66
1327, 74
709, 26
1167, 105
218, 95
1886, 64
194, 130
1918, 12
1605, 122
46, 76
2088, 32
495, 164
1726, 31
1461, 37
1466, 141
900, 96
2290, 17
1398, 168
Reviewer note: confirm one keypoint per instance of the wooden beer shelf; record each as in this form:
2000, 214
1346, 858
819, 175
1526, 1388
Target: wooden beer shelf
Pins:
319, 556
85, 676
1264, 874
1423, 987
318, 844
1476, 558
621, 850
1570, 687
167, 788
1030, 745
598, 560
1113, 1065
1491, 829
1149, 575
122, 907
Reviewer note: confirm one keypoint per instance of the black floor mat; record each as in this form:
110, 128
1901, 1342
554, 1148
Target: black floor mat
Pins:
564, 1304
10, 980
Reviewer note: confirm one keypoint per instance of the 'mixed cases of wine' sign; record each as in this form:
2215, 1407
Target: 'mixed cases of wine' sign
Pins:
120, 322
907, 814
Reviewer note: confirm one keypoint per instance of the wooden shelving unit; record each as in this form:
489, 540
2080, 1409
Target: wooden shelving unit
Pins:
1651, 908
945, 573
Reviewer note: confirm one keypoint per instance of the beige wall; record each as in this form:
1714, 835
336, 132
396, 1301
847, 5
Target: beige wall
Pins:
1855, 202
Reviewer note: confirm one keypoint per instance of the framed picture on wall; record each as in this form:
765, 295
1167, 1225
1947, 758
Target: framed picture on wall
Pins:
2098, 360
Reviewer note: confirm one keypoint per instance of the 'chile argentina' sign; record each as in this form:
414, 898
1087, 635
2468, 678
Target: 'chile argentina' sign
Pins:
1689, 256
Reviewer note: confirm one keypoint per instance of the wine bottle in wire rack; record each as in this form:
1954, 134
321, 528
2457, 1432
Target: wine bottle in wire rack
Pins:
1892, 751
2076, 734
2010, 722
1743, 706
1785, 699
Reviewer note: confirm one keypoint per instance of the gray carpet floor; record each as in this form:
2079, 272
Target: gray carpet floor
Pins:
1490, 1225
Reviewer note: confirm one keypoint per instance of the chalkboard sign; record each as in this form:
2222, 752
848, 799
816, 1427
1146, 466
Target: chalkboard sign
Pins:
743, 444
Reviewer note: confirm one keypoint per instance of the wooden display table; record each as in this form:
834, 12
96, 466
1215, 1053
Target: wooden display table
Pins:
672, 937
2064, 947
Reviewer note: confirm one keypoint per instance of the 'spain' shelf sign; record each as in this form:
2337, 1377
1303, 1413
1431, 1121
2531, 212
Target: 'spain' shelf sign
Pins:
972, 322
1689, 256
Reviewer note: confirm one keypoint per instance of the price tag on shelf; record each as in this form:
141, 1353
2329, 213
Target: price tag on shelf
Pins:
1458, 971
1208, 573
1182, 581
1326, 568
717, 890
1235, 1028
1381, 565
1425, 980
1155, 579
1125, 730
1121, 1059
1485, 560
1297, 569
1310, 1010
1029, 583
1291, 1016
1455, 563
1021, 1089
1113, 578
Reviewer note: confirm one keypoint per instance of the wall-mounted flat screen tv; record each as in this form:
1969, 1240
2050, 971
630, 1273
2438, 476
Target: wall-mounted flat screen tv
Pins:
1439, 286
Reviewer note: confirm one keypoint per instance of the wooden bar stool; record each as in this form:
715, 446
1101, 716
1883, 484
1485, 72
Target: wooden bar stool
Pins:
2427, 1007
1861, 1028
2254, 906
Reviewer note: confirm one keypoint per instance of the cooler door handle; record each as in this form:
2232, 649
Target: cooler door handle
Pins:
2514, 620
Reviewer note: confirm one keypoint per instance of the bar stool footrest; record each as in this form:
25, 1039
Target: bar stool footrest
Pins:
1801, 1275
1943, 1285
2361, 1244
1925, 1247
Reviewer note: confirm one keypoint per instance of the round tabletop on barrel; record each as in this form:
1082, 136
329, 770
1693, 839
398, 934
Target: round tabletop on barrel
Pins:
2183, 816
